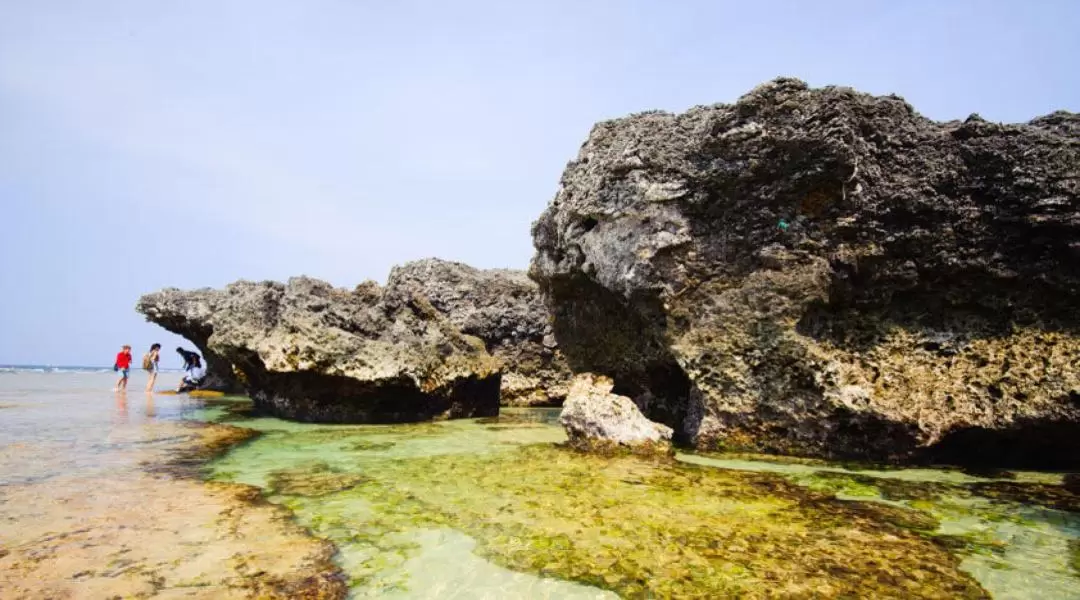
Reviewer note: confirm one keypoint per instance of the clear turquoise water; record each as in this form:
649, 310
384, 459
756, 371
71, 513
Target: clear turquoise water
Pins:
1020, 550
1027, 547
439, 562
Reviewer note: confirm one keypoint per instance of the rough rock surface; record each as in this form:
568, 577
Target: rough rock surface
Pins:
313, 352
592, 416
188, 314
503, 308
824, 272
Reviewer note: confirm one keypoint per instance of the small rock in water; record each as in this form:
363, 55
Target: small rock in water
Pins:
596, 418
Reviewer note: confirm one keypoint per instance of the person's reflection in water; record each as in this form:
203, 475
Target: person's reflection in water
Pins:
121, 415
150, 410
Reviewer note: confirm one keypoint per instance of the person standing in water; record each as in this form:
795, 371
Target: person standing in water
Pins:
150, 364
123, 365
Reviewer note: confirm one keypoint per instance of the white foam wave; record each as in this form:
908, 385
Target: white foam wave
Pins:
50, 369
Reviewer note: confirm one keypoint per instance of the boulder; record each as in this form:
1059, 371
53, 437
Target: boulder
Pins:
827, 273
312, 352
596, 418
503, 308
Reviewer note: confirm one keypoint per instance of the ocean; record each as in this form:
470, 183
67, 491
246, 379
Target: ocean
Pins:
65, 369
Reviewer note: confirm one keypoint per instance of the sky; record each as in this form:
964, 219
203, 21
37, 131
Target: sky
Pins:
193, 143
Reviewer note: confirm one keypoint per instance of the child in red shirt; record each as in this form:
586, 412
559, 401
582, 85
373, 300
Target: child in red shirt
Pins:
122, 364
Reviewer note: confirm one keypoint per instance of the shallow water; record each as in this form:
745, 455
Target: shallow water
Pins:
96, 501
495, 508
1018, 550
402, 501
71, 423
390, 560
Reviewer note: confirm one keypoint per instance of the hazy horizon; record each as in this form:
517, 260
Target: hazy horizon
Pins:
150, 145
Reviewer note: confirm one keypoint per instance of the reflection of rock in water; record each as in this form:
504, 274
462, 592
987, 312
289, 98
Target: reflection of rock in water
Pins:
135, 533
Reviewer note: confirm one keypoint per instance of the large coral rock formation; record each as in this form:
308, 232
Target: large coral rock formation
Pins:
823, 272
593, 416
188, 314
504, 308
312, 352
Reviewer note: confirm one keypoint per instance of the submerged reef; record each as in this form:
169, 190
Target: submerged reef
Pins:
411, 506
641, 527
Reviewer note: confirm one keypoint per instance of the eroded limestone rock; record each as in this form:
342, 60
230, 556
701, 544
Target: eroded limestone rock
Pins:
188, 314
824, 272
503, 307
594, 417
312, 352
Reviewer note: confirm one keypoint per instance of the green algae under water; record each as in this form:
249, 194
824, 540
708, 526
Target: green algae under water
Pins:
497, 508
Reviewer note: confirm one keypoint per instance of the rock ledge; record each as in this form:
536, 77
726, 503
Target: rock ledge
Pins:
311, 352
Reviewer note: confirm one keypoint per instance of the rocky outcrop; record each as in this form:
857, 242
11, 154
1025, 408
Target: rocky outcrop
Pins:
595, 418
823, 272
311, 352
188, 314
503, 308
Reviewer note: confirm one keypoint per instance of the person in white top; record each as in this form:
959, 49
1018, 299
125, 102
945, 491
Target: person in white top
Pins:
194, 372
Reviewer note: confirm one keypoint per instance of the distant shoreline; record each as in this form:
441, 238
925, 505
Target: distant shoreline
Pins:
67, 369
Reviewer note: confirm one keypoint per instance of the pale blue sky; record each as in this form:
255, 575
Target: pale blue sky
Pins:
192, 143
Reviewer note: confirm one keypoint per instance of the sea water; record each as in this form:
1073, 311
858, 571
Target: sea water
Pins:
402, 501
498, 508
67, 421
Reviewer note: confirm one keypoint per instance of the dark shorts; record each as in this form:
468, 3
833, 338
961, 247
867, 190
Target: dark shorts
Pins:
124, 373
